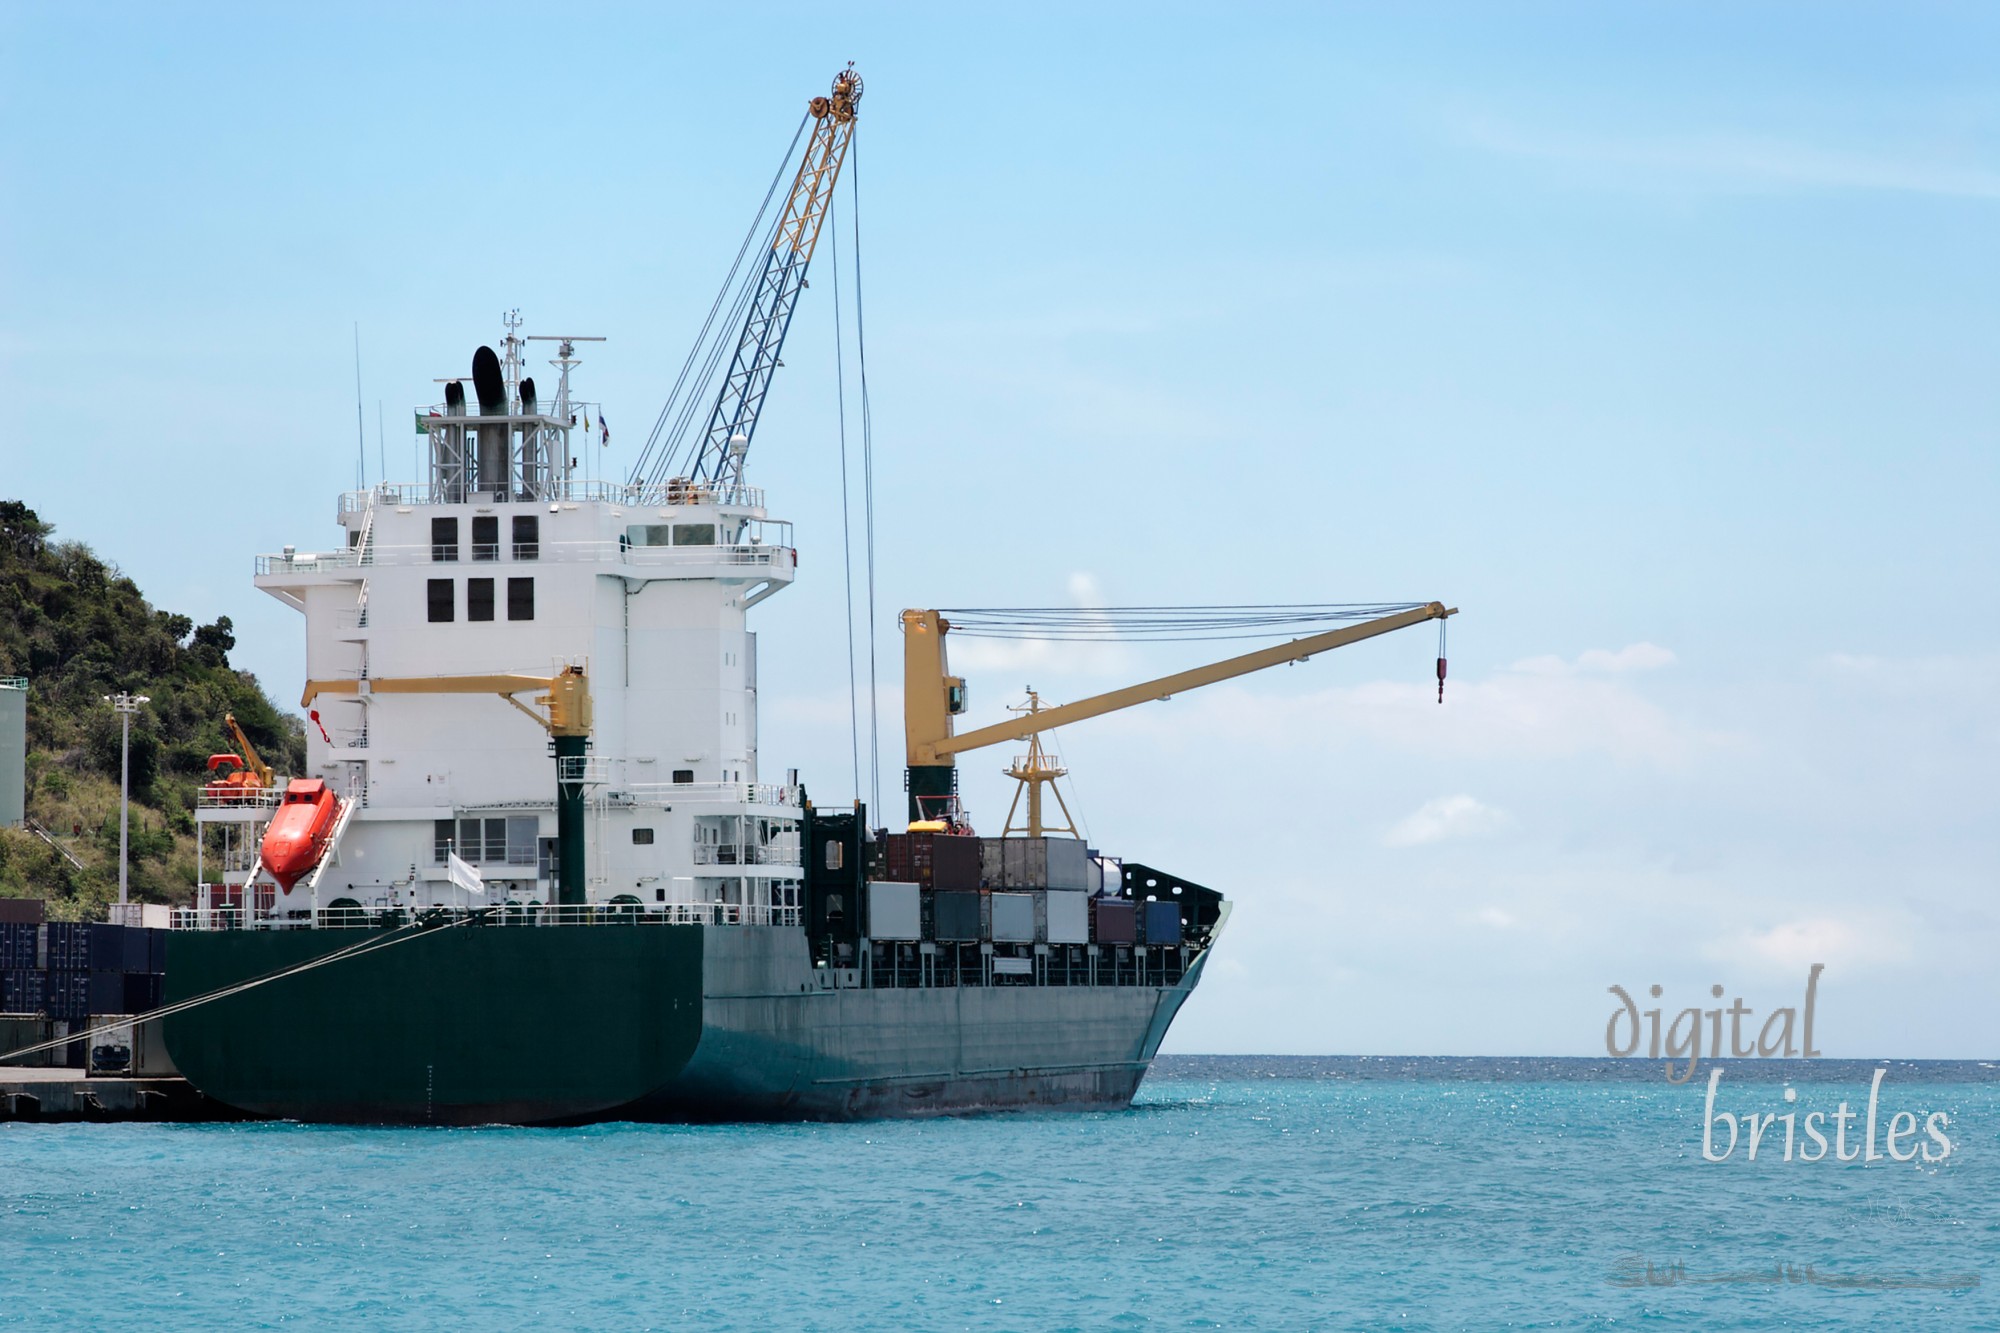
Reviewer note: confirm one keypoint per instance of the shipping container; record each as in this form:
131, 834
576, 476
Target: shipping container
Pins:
1014, 917
1068, 916
1068, 864
138, 951
20, 945
21, 911
142, 992
22, 991
106, 947
992, 873
66, 995
1161, 923
895, 911
106, 994
17, 1031
66, 947
955, 862
960, 916
156, 951
1111, 922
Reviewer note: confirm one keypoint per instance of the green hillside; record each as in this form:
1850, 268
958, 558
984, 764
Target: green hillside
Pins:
78, 629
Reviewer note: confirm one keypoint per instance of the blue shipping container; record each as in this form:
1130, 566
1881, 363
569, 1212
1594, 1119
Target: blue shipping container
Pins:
20, 945
21, 991
66, 995
1161, 923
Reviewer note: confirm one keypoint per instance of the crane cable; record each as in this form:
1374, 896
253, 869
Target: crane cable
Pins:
846, 508
1161, 624
867, 473
681, 381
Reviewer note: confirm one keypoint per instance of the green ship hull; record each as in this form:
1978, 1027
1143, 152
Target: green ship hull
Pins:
487, 1024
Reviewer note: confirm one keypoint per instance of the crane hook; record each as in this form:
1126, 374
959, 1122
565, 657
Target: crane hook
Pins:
1440, 661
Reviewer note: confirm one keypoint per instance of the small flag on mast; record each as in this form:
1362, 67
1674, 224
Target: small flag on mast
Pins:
464, 876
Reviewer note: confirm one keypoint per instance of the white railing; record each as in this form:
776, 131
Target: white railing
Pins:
665, 495
712, 793
755, 554
238, 798
706, 854
510, 914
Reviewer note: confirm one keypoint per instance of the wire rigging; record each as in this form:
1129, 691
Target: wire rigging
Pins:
846, 510
867, 480
1161, 624
696, 391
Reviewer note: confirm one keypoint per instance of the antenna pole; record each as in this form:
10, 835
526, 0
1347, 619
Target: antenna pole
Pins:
360, 435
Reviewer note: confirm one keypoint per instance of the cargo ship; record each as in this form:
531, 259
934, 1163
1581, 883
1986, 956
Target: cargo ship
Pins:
539, 871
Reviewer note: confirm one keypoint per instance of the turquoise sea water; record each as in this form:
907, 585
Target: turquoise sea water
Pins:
1241, 1192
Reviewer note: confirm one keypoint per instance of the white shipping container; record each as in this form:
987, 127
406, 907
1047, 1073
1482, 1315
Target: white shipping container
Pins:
1068, 865
1014, 917
1069, 918
895, 911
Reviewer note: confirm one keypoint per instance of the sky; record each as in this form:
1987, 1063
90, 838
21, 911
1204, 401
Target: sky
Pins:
1659, 339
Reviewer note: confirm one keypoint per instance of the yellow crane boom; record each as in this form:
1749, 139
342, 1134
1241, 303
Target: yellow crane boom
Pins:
251, 759
566, 696
931, 696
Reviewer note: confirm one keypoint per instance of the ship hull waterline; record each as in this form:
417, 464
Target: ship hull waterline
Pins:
671, 1023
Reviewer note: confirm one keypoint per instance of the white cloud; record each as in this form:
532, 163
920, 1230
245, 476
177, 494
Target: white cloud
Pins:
1632, 657
1445, 819
1495, 917
1794, 946
1061, 658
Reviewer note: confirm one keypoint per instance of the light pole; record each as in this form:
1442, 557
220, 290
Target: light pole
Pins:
125, 705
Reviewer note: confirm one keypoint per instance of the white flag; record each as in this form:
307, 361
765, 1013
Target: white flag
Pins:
464, 876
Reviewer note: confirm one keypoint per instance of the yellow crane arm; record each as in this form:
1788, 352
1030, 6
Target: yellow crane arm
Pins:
566, 696
932, 748
251, 759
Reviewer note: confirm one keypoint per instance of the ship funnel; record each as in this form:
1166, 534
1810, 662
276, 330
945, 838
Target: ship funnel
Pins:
533, 473
490, 464
448, 464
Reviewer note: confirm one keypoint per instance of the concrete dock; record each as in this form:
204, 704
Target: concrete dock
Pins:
53, 1096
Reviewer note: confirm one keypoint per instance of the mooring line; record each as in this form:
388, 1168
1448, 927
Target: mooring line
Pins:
400, 936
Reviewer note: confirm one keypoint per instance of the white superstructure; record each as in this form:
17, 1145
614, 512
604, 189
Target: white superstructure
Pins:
503, 561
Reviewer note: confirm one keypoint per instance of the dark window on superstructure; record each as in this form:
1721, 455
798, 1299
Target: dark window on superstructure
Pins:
694, 534
486, 538
444, 539
443, 831
527, 537
642, 837
440, 600
520, 599
479, 599
483, 840
683, 776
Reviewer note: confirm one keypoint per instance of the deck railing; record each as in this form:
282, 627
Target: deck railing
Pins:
746, 555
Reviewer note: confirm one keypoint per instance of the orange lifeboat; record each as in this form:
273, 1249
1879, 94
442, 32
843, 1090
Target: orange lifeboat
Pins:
297, 836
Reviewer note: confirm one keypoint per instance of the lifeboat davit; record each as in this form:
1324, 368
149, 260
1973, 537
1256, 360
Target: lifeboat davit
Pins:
297, 835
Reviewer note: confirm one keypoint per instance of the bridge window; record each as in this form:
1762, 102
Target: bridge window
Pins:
479, 599
527, 537
441, 600
520, 599
486, 538
444, 539
683, 776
